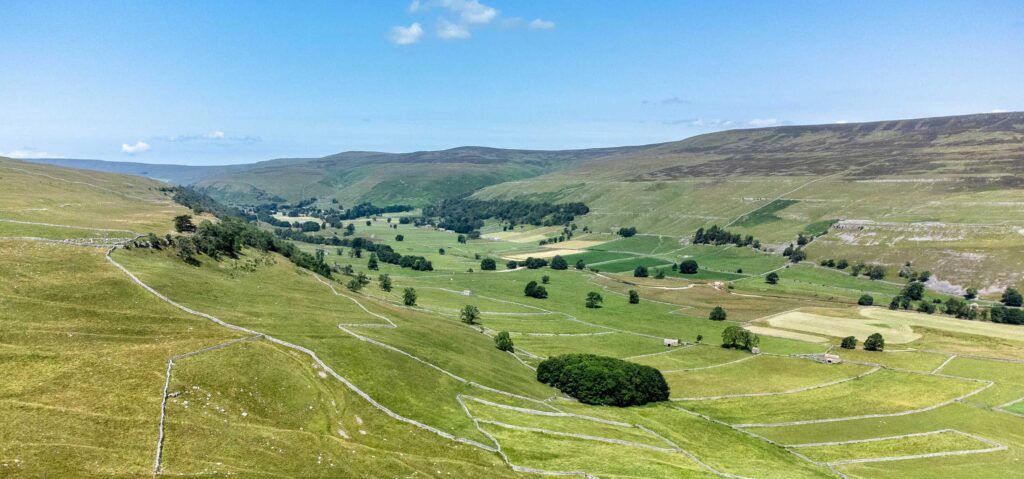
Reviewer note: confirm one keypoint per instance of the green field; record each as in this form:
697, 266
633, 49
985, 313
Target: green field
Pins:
402, 391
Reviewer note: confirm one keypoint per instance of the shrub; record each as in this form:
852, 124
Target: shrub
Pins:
399, 238
866, 300
640, 272
842, 264
488, 264
603, 381
849, 342
875, 342
580, 265
594, 300
772, 278
504, 342
627, 232
926, 307
913, 290
634, 297
717, 314
384, 281
559, 263
511, 265
688, 267
533, 290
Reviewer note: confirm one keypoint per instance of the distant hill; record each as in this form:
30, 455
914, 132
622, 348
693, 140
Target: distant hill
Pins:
177, 174
946, 192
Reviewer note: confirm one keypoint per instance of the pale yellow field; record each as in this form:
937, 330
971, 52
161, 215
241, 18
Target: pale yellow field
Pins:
859, 327
300, 219
576, 244
546, 253
526, 236
781, 333
944, 323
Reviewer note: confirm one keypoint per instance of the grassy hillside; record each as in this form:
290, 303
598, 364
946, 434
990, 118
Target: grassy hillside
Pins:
945, 193
417, 178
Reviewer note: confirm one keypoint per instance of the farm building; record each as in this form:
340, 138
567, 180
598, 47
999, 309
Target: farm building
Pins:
828, 358
671, 342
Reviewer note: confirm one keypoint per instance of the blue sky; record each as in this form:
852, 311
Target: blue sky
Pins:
223, 82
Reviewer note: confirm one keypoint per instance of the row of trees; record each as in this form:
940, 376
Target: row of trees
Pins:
720, 236
874, 342
464, 215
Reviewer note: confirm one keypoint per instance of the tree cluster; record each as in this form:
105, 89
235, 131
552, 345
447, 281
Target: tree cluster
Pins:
464, 215
719, 236
739, 338
604, 381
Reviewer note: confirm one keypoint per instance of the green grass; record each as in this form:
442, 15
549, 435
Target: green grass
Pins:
786, 373
947, 441
764, 214
903, 392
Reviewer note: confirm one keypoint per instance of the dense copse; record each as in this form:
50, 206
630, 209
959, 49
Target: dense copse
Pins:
227, 238
1002, 314
719, 236
627, 232
464, 215
200, 202
603, 381
739, 338
385, 253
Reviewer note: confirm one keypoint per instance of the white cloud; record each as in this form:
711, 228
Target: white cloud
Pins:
415, 6
452, 31
138, 147
841, 122
406, 35
701, 123
471, 11
763, 122
998, 111
538, 24
215, 135
28, 152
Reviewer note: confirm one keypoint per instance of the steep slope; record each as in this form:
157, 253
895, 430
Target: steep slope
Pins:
946, 193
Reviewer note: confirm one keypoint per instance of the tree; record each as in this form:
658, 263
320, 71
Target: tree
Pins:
688, 266
913, 290
462, 239
488, 264
842, 264
876, 272
409, 297
559, 263
866, 300
580, 264
354, 285
1012, 297
627, 232
545, 279
399, 238
640, 271
772, 278
511, 265
530, 288
739, 338
700, 337
440, 251
384, 281
660, 274
926, 307
717, 314
183, 224
875, 342
372, 264
634, 297
504, 342
849, 342
594, 300
798, 255
971, 293
534, 290
469, 314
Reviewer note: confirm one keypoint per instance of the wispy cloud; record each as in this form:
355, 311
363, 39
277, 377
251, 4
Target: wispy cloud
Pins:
215, 136
701, 122
764, 122
452, 31
138, 147
674, 100
406, 35
469, 11
539, 24
28, 152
